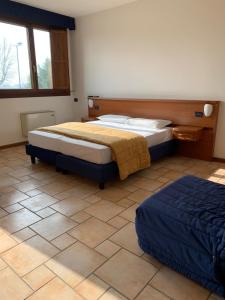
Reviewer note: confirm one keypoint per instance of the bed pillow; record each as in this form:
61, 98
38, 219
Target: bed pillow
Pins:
149, 123
114, 118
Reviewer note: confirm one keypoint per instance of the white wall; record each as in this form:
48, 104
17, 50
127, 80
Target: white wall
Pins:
154, 49
10, 109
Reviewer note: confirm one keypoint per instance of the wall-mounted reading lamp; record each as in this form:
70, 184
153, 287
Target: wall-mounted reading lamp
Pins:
90, 103
208, 110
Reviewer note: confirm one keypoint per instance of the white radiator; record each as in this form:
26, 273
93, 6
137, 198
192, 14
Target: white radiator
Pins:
34, 120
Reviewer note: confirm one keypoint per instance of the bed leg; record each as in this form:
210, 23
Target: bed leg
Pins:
102, 185
33, 160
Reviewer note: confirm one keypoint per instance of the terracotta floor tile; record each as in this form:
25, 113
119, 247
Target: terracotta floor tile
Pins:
43, 175
23, 235
111, 294
107, 248
103, 220
85, 190
177, 286
152, 260
152, 174
81, 217
15, 163
12, 198
118, 222
127, 238
125, 203
92, 232
151, 294
20, 172
92, 288
127, 280
46, 212
38, 202
13, 208
126, 184
18, 220
130, 213
63, 241
55, 188
70, 206
7, 189
38, 277
92, 199
12, 287
7, 180
34, 192
3, 213
53, 226
4, 171
113, 194
74, 264
56, 289
6, 242
30, 254
173, 175
3, 265
27, 186
139, 195
148, 184
104, 210
72, 192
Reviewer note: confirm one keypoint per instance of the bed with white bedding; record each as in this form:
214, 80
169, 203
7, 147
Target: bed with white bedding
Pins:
92, 152
90, 159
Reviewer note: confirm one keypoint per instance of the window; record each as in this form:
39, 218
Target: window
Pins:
33, 61
14, 58
43, 58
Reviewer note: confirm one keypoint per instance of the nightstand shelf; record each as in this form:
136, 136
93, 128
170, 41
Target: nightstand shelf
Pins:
195, 142
187, 133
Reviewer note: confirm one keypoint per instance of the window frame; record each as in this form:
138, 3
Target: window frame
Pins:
34, 91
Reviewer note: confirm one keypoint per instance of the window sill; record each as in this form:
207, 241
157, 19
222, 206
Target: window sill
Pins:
32, 93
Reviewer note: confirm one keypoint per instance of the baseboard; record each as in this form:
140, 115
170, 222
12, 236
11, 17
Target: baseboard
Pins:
13, 145
217, 159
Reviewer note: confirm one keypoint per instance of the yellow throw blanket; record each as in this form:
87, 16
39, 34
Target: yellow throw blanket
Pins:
129, 149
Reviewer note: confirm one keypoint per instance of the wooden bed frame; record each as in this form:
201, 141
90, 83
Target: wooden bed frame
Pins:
180, 112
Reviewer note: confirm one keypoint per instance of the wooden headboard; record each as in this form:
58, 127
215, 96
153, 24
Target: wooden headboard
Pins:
180, 112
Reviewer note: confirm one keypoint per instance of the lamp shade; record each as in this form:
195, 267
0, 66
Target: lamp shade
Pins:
90, 103
208, 110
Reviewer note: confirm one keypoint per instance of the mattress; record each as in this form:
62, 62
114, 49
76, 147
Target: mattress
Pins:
183, 226
92, 152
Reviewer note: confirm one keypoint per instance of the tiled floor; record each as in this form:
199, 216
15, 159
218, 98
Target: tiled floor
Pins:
62, 238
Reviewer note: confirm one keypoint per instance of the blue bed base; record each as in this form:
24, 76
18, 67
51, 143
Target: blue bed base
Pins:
101, 173
183, 226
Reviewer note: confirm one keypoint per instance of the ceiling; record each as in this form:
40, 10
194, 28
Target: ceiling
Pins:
75, 8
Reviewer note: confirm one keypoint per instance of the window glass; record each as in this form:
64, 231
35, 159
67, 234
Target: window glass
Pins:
43, 58
14, 57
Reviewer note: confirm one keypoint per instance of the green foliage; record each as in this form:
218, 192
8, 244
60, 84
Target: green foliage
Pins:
45, 75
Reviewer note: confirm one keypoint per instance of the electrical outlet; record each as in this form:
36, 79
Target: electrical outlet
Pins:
198, 114
75, 99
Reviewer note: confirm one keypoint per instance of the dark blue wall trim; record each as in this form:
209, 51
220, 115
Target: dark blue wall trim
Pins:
29, 14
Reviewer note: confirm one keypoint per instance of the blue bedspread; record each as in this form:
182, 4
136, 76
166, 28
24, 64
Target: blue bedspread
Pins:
183, 226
